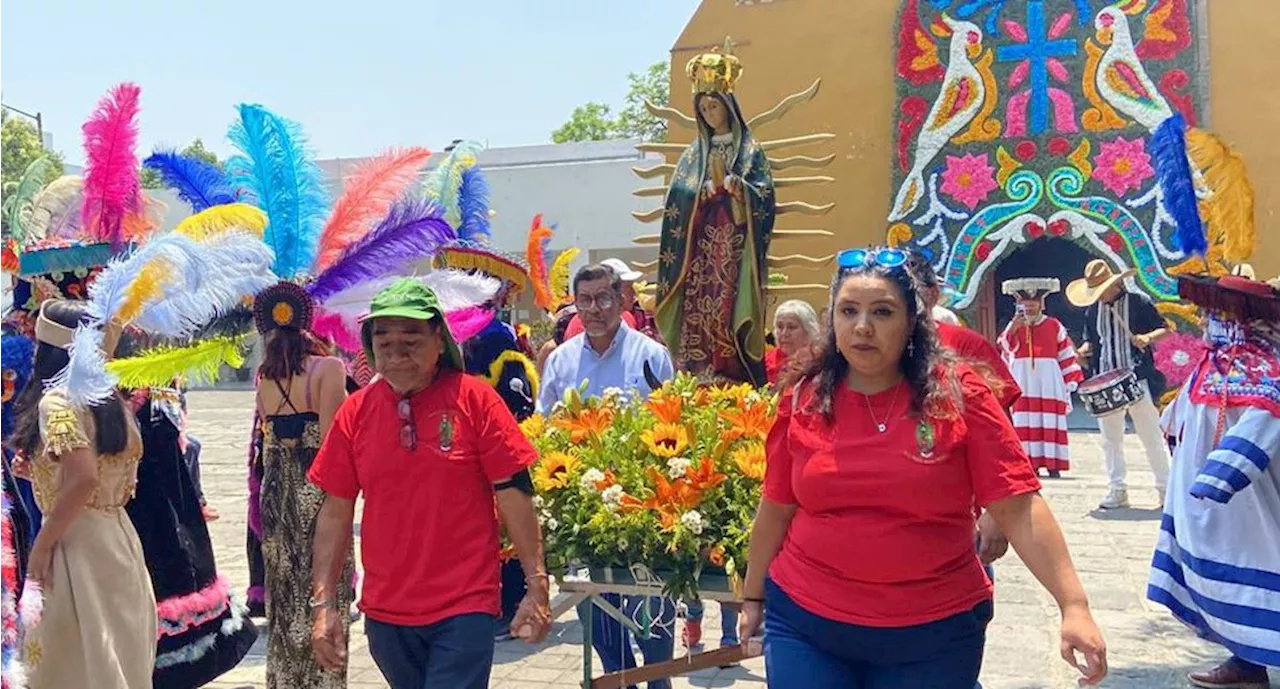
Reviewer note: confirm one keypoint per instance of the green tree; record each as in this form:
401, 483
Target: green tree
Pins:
22, 146
596, 121
151, 178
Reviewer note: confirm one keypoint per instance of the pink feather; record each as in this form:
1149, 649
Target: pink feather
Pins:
111, 183
334, 326
368, 195
466, 323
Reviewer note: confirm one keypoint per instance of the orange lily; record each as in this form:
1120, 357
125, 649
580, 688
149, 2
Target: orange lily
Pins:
587, 424
705, 477
747, 420
666, 407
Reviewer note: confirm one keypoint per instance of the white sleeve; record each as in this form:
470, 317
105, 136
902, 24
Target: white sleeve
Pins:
1243, 455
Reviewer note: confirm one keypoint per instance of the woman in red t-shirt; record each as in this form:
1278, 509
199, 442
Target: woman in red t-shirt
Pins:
862, 556
795, 327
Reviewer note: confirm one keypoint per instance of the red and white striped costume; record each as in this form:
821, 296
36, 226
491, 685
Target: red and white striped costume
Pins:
1043, 361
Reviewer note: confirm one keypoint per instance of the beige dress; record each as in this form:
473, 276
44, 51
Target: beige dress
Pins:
99, 623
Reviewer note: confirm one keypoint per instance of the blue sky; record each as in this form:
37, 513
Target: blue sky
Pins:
360, 76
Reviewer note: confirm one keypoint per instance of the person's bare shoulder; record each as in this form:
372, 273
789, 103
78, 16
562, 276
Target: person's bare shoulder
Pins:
331, 366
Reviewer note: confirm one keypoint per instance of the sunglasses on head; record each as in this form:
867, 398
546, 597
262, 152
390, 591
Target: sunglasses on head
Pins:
850, 259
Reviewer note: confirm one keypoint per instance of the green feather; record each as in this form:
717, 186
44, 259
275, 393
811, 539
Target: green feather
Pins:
197, 362
17, 208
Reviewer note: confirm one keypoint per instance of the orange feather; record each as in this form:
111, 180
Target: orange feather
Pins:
368, 195
539, 235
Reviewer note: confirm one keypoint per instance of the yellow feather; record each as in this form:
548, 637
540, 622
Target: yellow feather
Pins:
559, 276
1229, 209
146, 288
218, 219
197, 362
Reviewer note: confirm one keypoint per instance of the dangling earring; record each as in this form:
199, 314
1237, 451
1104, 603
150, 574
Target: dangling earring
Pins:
911, 348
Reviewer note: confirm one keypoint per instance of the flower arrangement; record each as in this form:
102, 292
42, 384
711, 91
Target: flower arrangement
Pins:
671, 482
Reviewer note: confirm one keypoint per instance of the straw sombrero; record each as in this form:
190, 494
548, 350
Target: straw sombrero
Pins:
1098, 278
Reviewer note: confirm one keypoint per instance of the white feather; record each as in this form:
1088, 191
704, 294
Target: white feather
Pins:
85, 377
454, 289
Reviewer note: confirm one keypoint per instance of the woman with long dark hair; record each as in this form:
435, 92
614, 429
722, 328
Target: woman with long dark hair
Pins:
862, 556
300, 388
98, 627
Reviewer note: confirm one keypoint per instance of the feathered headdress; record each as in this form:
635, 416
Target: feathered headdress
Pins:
539, 275
1169, 149
276, 170
444, 183
17, 203
172, 287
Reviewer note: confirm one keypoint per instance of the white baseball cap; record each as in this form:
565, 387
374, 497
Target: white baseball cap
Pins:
625, 273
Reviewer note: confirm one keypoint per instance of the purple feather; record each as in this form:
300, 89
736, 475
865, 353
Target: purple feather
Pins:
412, 230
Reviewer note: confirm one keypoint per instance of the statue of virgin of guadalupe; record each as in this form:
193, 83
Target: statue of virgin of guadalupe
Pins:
718, 218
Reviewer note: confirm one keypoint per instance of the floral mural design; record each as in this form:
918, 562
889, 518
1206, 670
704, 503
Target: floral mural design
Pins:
1123, 165
969, 179
1018, 121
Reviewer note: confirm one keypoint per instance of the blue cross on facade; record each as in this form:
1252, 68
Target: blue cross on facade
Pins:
969, 8
1037, 51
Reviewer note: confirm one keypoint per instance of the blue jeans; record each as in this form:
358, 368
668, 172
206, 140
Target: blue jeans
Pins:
454, 653
612, 641
728, 619
804, 650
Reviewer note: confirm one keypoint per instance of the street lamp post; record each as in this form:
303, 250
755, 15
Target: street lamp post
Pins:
36, 117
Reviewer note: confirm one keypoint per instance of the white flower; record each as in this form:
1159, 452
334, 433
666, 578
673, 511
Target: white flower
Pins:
590, 478
622, 543
1181, 358
612, 497
676, 466
754, 397
537, 501
692, 520
613, 394
552, 524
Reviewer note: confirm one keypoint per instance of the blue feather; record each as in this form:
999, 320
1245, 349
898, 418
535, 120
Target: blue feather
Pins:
473, 207
1173, 170
412, 230
277, 170
197, 182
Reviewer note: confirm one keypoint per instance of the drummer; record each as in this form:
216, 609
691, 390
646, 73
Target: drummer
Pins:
1120, 328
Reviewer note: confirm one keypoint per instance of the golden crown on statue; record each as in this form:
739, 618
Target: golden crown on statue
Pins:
716, 71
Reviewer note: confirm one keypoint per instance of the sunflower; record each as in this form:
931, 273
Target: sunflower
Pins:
666, 407
749, 420
730, 393
666, 440
750, 460
588, 424
534, 426
554, 470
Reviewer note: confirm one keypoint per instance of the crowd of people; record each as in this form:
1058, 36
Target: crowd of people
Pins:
904, 459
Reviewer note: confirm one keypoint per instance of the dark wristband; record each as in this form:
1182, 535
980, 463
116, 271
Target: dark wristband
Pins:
752, 600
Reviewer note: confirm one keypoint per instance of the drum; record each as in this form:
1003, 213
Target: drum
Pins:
1111, 392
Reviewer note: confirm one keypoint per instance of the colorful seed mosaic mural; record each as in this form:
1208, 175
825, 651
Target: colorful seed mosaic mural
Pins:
1024, 119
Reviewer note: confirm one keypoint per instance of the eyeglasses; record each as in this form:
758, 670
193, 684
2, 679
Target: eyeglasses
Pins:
865, 258
408, 428
602, 302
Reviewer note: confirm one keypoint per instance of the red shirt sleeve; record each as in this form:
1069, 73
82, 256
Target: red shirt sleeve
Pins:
998, 465
334, 468
777, 454
501, 446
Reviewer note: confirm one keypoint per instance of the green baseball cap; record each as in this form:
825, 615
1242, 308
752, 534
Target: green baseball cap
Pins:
408, 298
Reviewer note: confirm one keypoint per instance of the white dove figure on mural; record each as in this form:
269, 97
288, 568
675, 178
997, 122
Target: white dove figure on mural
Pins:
958, 101
1121, 78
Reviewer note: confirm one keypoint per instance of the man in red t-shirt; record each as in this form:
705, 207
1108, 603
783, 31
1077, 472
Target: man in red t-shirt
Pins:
430, 448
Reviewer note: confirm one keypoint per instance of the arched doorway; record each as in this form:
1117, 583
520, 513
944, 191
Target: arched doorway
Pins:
1049, 257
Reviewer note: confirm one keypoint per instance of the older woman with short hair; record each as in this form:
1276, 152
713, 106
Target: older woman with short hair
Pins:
795, 328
